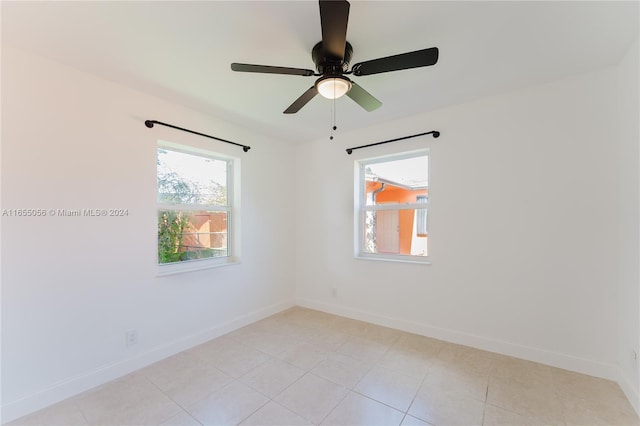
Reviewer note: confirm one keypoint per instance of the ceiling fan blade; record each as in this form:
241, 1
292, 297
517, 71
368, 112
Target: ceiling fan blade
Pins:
267, 69
403, 61
334, 17
301, 101
363, 98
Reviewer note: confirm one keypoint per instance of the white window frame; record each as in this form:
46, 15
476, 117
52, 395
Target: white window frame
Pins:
231, 209
361, 207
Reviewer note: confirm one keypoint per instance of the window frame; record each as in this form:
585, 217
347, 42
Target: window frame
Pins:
232, 187
361, 207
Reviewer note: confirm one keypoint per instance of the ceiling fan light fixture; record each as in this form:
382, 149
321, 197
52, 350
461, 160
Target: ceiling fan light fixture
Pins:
332, 56
333, 87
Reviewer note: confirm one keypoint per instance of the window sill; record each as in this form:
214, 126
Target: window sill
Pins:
194, 266
395, 258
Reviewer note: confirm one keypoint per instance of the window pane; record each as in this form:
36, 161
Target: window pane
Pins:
394, 232
397, 181
191, 179
421, 217
191, 235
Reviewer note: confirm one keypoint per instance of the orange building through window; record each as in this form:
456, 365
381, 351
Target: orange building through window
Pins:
207, 231
388, 192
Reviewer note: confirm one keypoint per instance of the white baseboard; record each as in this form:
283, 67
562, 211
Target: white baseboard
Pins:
83, 382
567, 362
630, 391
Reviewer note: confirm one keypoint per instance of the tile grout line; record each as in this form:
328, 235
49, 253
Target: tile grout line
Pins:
355, 385
283, 390
380, 402
184, 409
424, 378
81, 412
168, 397
254, 411
559, 397
336, 406
486, 393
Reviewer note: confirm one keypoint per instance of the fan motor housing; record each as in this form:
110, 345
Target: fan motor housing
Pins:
331, 66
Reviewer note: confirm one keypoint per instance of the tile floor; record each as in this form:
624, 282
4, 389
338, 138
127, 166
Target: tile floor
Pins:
303, 367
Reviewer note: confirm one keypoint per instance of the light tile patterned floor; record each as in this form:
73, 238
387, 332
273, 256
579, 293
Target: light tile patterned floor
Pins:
303, 367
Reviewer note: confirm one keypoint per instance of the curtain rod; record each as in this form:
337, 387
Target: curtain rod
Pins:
435, 134
150, 123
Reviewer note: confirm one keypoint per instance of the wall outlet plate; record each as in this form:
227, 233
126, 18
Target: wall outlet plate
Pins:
131, 337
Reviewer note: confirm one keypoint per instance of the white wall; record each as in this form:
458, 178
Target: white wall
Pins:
72, 286
629, 230
523, 226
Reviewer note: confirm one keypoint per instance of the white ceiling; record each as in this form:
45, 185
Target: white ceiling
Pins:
181, 51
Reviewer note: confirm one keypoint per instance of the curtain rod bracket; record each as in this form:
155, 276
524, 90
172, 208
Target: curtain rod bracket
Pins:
150, 124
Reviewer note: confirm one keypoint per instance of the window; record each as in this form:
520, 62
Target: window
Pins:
392, 196
194, 209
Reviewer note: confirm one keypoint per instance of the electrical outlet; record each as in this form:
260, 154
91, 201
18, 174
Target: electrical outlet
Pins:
130, 337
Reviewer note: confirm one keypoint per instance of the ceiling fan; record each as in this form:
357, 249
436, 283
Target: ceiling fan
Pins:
332, 56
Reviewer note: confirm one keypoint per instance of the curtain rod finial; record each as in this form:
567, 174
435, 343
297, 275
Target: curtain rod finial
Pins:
436, 134
148, 123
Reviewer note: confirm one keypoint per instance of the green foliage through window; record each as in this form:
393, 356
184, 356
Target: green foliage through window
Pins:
193, 207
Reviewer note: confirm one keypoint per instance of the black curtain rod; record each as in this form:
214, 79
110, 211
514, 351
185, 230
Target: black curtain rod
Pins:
150, 123
435, 134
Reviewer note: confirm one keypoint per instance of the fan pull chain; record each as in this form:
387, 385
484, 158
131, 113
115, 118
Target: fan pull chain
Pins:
333, 118
333, 114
